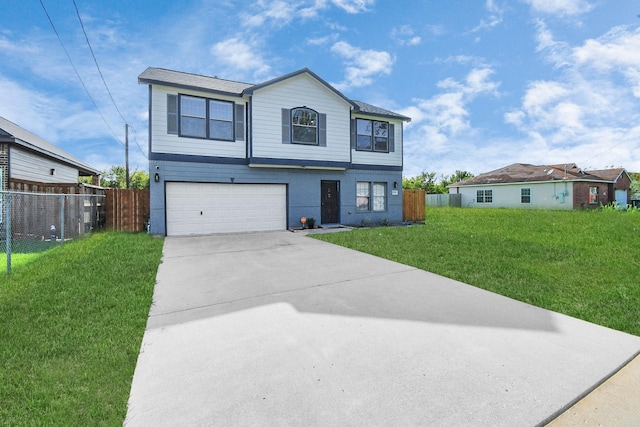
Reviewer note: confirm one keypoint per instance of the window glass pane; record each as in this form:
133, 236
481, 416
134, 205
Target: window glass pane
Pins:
381, 144
379, 196
221, 110
488, 196
191, 126
306, 117
304, 134
362, 196
525, 195
480, 196
364, 127
220, 130
190, 106
381, 129
363, 142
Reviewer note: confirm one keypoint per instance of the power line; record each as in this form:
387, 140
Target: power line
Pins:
137, 143
76, 71
106, 86
96, 62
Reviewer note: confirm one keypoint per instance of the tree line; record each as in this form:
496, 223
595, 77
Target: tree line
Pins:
116, 177
428, 182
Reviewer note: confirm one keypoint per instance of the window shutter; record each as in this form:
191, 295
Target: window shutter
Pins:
172, 114
392, 138
353, 134
239, 118
322, 128
286, 129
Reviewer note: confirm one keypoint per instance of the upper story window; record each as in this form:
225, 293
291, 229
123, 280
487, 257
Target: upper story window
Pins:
193, 116
220, 119
372, 135
304, 126
197, 117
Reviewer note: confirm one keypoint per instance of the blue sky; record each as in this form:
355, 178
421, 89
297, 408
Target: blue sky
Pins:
487, 83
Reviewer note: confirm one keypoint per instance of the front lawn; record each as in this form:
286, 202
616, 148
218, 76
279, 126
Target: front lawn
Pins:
72, 321
582, 263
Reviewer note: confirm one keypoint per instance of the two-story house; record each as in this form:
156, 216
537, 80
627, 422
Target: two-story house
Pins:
227, 156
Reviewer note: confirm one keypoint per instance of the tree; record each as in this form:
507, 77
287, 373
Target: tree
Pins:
115, 177
635, 184
427, 181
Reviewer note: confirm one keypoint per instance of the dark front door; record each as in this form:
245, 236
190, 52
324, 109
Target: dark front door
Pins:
330, 200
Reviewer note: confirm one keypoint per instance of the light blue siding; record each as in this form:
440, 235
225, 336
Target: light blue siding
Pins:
303, 198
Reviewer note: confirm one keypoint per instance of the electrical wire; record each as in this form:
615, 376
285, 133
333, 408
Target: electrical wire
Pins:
96, 62
106, 86
77, 74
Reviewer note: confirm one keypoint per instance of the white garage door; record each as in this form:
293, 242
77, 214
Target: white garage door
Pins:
195, 208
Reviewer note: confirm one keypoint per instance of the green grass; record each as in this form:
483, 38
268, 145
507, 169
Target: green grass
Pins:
582, 263
72, 321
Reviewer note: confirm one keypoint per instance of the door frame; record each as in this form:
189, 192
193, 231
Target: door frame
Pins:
337, 200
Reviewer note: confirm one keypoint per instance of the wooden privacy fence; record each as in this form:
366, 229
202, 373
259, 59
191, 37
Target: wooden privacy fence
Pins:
127, 209
413, 205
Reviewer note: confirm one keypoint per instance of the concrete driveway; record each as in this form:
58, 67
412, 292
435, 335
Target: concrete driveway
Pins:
281, 329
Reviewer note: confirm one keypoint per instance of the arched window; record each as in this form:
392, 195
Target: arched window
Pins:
304, 126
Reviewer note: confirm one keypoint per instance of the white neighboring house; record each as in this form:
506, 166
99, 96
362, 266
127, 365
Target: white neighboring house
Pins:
27, 158
526, 186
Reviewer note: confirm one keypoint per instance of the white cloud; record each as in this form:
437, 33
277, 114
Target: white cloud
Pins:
279, 12
441, 129
588, 113
241, 56
362, 65
557, 52
353, 6
494, 18
560, 7
405, 35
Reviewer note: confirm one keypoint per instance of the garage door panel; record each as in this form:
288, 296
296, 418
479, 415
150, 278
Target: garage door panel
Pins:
196, 208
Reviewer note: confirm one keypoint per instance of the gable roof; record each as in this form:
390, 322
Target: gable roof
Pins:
522, 173
365, 108
12, 133
183, 80
259, 86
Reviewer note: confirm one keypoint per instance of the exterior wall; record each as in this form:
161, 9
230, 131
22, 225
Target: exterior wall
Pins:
299, 91
30, 167
388, 159
548, 195
303, 198
606, 194
4, 166
162, 142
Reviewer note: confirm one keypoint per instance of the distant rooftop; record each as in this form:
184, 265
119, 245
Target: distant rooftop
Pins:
522, 172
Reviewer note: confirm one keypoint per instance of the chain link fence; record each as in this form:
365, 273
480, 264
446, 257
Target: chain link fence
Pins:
36, 222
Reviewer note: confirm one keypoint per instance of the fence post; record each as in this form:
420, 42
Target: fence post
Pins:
62, 199
6, 207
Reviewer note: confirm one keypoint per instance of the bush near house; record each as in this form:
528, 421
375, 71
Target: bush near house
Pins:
580, 263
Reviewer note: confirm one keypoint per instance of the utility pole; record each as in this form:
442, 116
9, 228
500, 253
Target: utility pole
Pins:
126, 153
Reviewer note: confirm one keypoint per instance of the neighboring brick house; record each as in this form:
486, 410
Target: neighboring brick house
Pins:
226, 156
563, 186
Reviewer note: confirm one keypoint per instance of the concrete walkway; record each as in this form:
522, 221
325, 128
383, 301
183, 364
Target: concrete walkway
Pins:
280, 329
